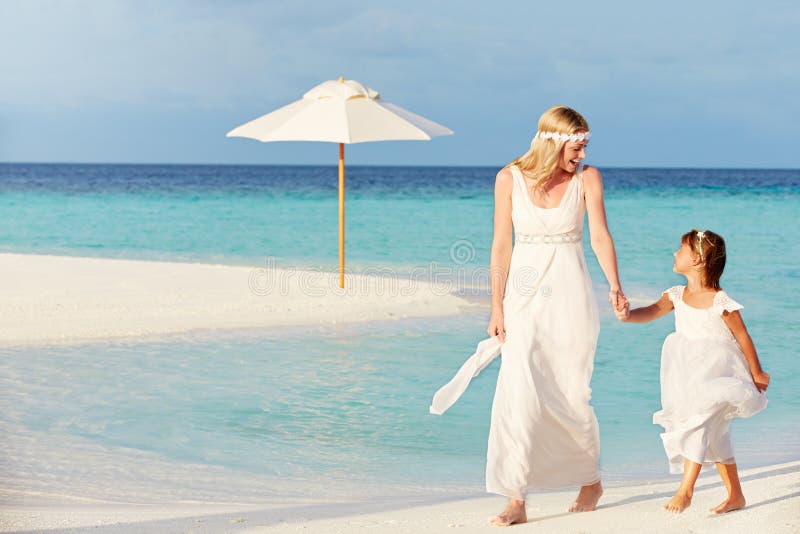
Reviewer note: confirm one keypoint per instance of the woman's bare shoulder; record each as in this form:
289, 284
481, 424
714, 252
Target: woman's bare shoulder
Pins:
505, 174
591, 173
592, 180
504, 179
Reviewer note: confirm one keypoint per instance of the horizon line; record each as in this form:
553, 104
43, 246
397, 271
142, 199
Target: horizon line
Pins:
334, 165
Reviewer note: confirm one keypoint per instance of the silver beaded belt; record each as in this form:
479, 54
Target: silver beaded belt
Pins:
548, 238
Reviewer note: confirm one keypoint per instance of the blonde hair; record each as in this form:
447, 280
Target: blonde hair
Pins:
541, 161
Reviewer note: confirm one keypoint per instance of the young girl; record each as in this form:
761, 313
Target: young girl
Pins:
710, 371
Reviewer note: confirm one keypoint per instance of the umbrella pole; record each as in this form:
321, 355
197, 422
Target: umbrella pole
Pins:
341, 215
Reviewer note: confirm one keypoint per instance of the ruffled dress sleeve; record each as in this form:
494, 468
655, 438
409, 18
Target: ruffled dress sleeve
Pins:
674, 293
723, 303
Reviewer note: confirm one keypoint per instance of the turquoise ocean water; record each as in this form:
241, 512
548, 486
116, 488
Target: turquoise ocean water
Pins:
346, 406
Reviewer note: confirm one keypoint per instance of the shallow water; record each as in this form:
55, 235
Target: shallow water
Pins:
346, 406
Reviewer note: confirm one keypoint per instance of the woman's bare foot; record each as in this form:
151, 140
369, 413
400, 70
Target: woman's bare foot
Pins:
587, 498
514, 513
678, 503
729, 505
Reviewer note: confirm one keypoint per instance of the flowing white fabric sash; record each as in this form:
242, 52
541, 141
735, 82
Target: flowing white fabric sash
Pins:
487, 350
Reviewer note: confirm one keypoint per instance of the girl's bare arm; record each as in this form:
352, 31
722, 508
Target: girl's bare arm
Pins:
648, 313
739, 330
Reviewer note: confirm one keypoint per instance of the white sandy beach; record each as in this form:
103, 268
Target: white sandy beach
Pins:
52, 299
773, 495
61, 299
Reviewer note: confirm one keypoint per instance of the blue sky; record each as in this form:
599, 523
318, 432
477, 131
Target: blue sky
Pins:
698, 84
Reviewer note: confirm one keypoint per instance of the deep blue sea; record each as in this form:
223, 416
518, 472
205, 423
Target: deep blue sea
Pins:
317, 409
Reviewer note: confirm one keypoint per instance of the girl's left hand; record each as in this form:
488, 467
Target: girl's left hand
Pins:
761, 380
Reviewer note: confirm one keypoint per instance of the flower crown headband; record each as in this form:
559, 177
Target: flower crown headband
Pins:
562, 136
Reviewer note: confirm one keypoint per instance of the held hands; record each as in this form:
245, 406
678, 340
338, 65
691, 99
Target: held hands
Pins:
620, 304
761, 380
624, 313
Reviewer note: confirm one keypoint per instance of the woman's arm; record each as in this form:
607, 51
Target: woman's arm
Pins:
648, 313
500, 261
602, 244
739, 330
501, 243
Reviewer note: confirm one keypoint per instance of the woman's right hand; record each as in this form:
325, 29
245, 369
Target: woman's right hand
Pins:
497, 326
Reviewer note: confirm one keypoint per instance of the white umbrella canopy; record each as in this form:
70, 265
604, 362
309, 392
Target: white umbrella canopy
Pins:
343, 112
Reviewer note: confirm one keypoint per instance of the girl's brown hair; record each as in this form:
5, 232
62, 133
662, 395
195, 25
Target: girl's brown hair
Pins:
711, 249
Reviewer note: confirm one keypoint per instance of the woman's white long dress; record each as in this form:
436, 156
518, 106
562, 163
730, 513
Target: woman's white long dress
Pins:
544, 432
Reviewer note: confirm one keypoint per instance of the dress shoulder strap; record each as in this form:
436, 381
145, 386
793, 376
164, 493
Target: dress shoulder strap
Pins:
519, 180
579, 175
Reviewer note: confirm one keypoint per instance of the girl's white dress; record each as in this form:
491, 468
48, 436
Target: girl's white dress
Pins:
705, 382
543, 432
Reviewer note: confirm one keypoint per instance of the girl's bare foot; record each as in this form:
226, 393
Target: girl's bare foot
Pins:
678, 503
683, 497
514, 513
729, 505
587, 498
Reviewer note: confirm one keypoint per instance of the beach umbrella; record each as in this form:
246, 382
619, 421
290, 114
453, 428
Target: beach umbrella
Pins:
340, 111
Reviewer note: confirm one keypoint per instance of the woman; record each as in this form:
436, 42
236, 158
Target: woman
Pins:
544, 320
544, 433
